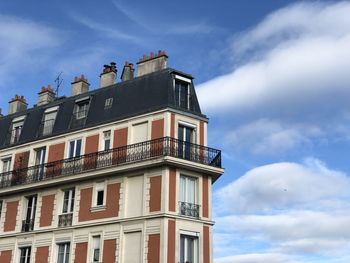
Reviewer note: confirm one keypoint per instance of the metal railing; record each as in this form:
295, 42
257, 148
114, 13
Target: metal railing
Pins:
27, 225
189, 209
114, 157
46, 127
65, 220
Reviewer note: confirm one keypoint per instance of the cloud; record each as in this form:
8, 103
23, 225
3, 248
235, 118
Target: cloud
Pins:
290, 72
286, 184
254, 258
160, 27
299, 210
24, 43
265, 136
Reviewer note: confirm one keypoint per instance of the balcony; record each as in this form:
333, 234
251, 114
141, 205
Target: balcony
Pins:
189, 209
65, 220
27, 225
46, 128
129, 154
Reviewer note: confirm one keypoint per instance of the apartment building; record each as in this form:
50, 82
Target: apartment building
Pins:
121, 173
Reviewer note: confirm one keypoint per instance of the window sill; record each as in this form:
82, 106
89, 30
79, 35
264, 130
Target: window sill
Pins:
97, 208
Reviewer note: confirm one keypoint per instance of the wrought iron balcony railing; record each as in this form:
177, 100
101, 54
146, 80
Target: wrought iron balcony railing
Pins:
46, 127
27, 225
189, 209
65, 220
114, 157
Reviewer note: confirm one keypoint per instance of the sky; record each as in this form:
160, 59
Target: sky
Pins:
272, 76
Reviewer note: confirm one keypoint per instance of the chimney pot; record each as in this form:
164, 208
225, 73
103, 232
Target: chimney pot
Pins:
17, 104
108, 76
153, 63
80, 85
46, 95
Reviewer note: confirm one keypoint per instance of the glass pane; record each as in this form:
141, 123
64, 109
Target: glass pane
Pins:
100, 195
78, 149
71, 149
183, 189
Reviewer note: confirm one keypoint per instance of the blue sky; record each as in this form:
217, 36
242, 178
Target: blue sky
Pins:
273, 76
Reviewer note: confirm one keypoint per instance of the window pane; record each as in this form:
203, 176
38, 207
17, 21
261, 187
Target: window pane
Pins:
78, 149
100, 195
71, 149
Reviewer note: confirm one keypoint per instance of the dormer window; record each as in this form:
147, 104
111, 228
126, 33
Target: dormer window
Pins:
108, 103
48, 121
80, 112
182, 92
16, 129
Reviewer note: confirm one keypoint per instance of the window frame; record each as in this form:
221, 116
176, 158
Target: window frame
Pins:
71, 200
177, 93
195, 185
65, 244
99, 247
106, 138
27, 256
195, 237
99, 187
75, 148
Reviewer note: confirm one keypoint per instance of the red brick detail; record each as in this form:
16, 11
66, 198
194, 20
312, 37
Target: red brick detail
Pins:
6, 256
172, 125
171, 241
155, 193
153, 248
11, 215
21, 162
172, 189
42, 255
112, 204
81, 252
47, 210
201, 133
205, 196
157, 129
120, 139
56, 153
206, 245
91, 147
109, 249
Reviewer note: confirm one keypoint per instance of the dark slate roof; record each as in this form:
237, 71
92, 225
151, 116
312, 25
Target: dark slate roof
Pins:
141, 95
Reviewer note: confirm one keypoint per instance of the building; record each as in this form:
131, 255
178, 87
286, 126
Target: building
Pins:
121, 173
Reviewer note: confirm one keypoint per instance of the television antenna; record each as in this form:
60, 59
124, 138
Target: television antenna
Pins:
58, 82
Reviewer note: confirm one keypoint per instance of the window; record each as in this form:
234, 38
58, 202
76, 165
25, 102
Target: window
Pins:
81, 109
68, 201
106, 140
6, 165
108, 103
74, 148
1, 203
28, 222
188, 196
39, 162
188, 249
25, 254
63, 253
48, 121
100, 192
140, 132
16, 131
182, 95
186, 136
96, 244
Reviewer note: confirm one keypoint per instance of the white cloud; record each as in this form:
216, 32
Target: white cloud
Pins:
282, 185
293, 77
23, 44
255, 258
264, 136
295, 209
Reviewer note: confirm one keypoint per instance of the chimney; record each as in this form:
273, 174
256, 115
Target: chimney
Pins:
108, 76
153, 63
17, 104
128, 71
46, 95
80, 85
